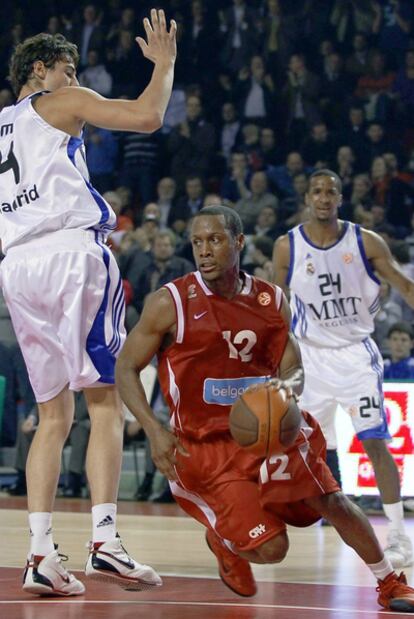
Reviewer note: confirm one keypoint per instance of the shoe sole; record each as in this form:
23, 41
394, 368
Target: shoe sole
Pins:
47, 591
125, 583
244, 595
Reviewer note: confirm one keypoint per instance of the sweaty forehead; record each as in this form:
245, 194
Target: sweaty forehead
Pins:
320, 182
208, 224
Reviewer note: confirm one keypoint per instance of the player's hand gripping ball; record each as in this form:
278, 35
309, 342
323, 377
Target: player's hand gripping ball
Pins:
265, 419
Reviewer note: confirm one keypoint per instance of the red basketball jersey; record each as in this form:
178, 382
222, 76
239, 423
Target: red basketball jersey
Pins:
222, 347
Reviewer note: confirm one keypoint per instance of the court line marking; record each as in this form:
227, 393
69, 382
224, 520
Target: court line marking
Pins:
208, 604
212, 577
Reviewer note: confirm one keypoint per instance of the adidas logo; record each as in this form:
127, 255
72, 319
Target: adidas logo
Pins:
105, 522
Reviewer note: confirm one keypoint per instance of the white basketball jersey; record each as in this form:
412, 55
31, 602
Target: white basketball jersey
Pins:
44, 180
334, 292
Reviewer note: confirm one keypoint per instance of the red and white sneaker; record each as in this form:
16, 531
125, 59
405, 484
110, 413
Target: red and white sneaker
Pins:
47, 576
234, 571
395, 594
110, 562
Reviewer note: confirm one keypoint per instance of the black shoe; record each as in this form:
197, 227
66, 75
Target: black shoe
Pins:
145, 489
19, 488
165, 496
73, 490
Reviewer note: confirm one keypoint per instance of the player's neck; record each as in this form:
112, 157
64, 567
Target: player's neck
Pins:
324, 234
29, 89
227, 287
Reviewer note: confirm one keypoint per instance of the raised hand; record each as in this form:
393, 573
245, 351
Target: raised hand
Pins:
160, 46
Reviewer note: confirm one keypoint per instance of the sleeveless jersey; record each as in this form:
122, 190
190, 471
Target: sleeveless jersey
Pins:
44, 181
222, 347
334, 292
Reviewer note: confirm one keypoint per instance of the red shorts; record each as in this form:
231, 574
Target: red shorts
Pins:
247, 500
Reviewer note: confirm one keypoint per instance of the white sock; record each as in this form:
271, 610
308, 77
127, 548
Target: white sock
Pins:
381, 569
103, 522
395, 515
41, 541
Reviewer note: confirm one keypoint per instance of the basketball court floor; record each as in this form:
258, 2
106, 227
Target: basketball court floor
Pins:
320, 579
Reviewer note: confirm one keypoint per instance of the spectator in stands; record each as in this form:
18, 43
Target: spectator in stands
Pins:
271, 153
336, 87
237, 178
278, 35
163, 267
318, 148
101, 156
392, 23
95, 75
255, 92
389, 313
359, 60
254, 197
187, 205
361, 195
166, 199
238, 35
267, 224
90, 34
346, 17
380, 180
302, 94
374, 88
400, 365
401, 253
403, 90
353, 132
139, 170
290, 205
282, 176
191, 144
228, 130
258, 259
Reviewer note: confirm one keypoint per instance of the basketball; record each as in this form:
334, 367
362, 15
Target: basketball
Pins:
265, 420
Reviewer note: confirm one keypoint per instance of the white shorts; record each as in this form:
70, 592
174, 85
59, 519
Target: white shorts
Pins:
351, 377
66, 301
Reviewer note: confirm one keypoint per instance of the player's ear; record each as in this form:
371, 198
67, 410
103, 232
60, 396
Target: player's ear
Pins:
240, 242
39, 69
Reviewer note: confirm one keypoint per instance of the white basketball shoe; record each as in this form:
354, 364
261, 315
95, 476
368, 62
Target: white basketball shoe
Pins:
110, 562
47, 576
399, 549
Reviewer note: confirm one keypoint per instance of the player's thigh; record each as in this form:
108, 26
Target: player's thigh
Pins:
232, 509
26, 291
92, 321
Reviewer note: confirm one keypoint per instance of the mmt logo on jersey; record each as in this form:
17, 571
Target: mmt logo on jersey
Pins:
225, 391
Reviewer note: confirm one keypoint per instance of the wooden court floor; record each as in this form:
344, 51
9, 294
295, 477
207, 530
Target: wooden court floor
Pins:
320, 579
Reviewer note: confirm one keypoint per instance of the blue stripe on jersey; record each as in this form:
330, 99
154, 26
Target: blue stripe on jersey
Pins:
301, 316
117, 307
380, 431
364, 256
294, 323
291, 237
73, 145
96, 347
375, 305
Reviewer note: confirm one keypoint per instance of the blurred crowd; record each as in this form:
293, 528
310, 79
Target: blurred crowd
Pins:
266, 91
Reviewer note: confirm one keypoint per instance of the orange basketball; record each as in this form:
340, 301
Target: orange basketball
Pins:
265, 420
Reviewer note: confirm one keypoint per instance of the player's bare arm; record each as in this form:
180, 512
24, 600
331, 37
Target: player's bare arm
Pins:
156, 325
290, 368
281, 258
383, 262
69, 108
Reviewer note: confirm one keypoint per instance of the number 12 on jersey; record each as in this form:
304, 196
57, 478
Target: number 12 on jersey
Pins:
244, 353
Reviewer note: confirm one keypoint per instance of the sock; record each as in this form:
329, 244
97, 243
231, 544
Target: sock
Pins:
382, 569
41, 541
395, 515
103, 522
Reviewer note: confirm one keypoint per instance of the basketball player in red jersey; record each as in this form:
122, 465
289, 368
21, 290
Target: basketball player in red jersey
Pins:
216, 331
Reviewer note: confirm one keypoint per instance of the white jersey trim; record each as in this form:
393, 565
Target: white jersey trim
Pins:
179, 310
